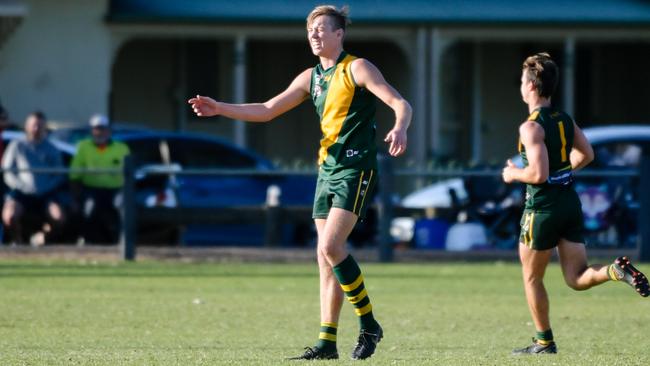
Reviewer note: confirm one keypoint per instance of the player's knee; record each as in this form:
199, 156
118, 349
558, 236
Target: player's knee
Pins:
322, 258
327, 250
55, 212
7, 217
574, 284
578, 287
10, 214
332, 252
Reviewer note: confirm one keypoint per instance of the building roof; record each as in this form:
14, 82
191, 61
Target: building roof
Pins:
633, 12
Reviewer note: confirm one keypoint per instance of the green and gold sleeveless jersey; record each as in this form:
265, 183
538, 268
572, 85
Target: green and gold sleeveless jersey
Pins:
347, 120
558, 132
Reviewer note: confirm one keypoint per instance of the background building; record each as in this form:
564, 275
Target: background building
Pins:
457, 62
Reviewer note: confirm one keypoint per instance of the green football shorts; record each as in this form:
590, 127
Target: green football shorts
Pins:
543, 229
352, 193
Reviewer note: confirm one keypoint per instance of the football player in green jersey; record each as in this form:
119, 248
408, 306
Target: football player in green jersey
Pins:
344, 89
552, 147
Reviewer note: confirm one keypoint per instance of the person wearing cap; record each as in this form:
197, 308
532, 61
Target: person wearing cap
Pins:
95, 194
32, 197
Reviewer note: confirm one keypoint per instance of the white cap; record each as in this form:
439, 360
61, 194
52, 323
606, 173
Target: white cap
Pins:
99, 120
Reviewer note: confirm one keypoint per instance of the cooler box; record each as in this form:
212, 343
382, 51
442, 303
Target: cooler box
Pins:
430, 233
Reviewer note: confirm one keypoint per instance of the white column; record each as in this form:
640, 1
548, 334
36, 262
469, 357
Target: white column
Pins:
477, 104
239, 86
438, 46
418, 134
434, 105
567, 75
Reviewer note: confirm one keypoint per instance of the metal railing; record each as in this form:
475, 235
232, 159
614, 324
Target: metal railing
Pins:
270, 214
388, 175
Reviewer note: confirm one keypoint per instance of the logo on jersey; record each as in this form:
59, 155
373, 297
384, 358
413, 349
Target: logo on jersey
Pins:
350, 153
318, 90
318, 84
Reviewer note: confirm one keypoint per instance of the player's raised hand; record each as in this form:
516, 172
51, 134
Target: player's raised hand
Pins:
397, 141
204, 106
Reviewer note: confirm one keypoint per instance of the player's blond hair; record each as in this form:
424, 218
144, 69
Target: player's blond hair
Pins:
339, 16
542, 71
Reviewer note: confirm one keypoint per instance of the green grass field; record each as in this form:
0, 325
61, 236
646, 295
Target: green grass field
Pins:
70, 313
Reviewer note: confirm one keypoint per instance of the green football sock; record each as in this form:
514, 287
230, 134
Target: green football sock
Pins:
349, 276
544, 337
327, 336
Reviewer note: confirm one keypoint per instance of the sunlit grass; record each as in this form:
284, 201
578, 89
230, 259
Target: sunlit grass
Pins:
68, 313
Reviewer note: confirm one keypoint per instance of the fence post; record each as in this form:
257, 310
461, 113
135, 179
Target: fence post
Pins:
127, 237
273, 225
644, 206
385, 186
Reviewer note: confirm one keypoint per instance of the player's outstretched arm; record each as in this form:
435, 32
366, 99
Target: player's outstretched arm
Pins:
367, 75
532, 137
295, 94
582, 153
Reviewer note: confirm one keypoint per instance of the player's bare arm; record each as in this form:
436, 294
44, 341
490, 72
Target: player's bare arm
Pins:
295, 94
532, 137
582, 153
368, 76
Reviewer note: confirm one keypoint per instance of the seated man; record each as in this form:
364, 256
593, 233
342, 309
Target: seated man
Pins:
4, 123
95, 194
29, 192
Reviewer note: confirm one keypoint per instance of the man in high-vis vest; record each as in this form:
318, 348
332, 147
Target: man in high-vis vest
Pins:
95, 195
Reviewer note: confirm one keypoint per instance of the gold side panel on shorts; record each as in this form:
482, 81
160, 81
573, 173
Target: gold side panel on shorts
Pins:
356, 197
366, 193
530, 229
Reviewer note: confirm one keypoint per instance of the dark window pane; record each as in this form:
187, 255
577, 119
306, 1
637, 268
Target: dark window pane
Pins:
145, 151
192, 153
201, 67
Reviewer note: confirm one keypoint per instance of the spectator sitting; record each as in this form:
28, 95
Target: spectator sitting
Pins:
95, 194
29, 192
4, 123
